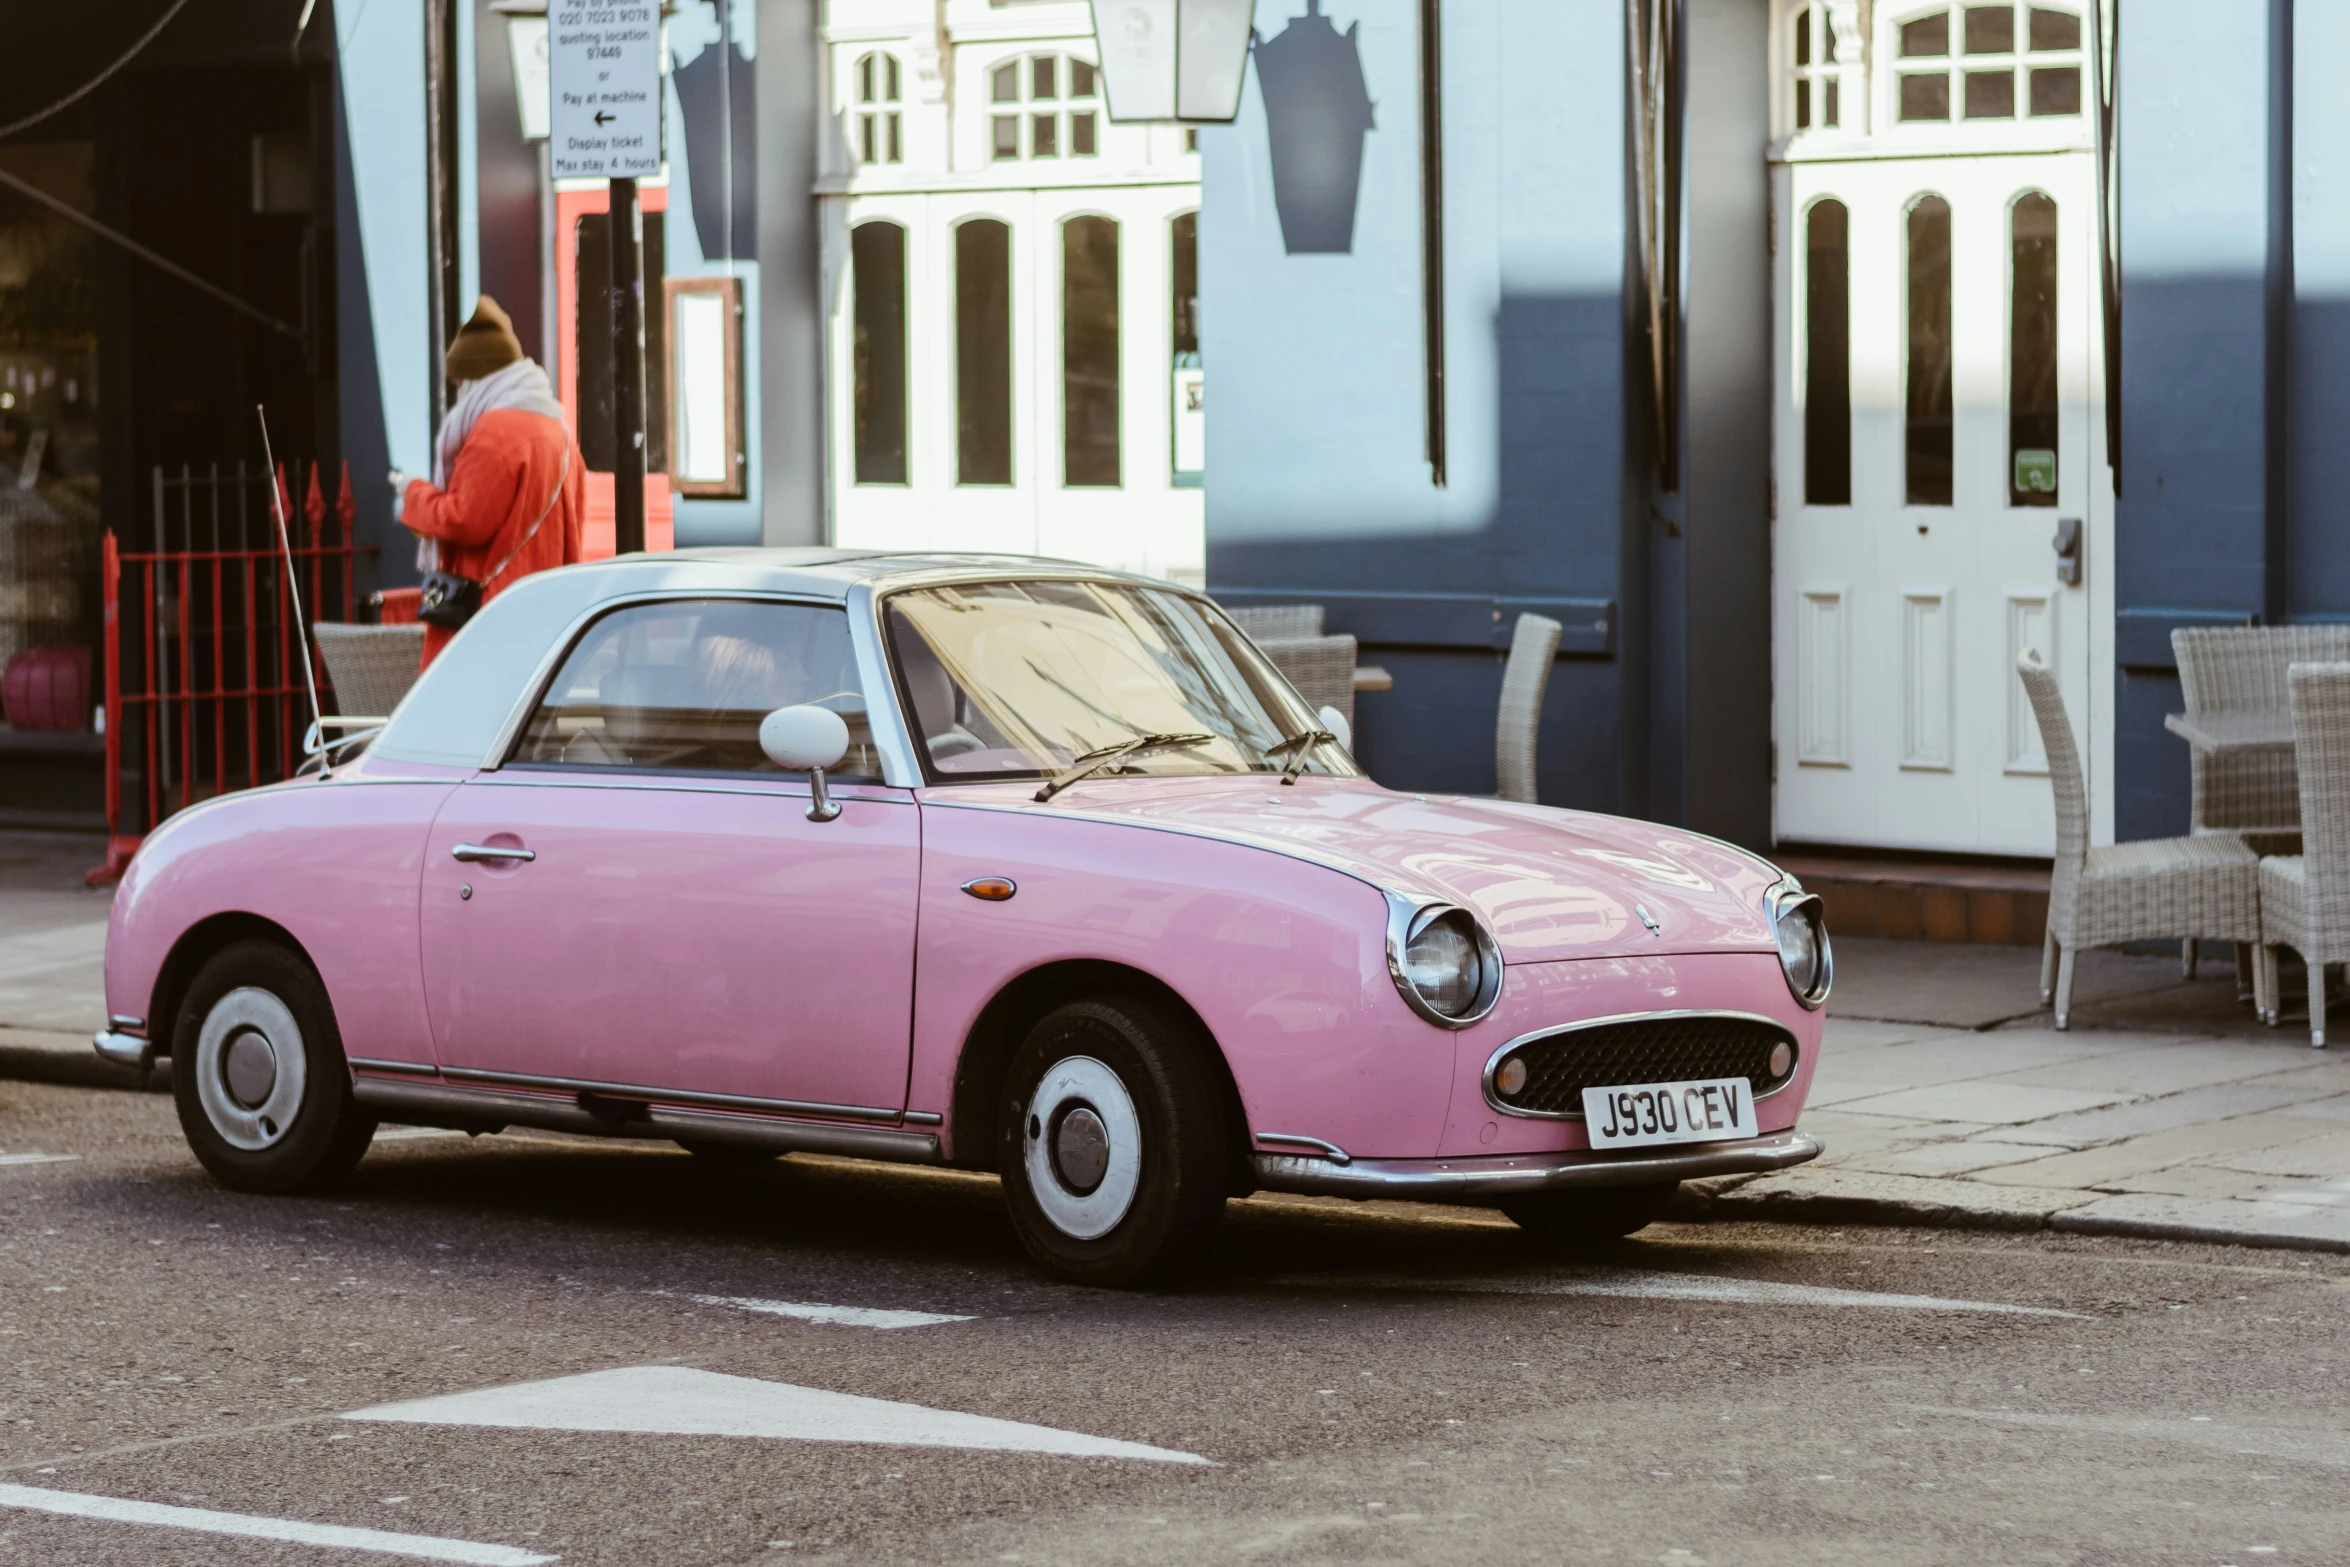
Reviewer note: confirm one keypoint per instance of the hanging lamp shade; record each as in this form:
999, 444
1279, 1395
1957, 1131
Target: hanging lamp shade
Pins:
1173, 59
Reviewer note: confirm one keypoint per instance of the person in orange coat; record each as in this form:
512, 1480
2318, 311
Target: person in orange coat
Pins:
509, 490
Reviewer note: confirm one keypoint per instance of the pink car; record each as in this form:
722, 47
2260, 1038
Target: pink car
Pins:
997, 863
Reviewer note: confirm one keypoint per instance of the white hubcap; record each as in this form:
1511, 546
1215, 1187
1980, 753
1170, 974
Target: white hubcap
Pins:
1083, 1148
250, 1068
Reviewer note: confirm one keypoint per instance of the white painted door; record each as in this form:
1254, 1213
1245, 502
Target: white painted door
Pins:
1913, 568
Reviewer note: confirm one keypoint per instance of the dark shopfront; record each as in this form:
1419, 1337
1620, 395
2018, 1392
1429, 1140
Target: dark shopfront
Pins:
211, 149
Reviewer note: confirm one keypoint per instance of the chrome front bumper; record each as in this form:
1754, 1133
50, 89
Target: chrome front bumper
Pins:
1507, 1175
125, 1049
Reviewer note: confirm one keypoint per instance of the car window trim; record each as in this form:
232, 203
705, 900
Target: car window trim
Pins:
501, 754
902, 700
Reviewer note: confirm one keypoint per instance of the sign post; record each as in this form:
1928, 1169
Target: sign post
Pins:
604, 76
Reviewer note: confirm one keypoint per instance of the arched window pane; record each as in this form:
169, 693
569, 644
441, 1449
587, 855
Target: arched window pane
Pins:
1929, 353
1990, 29
1827, 358
1190, 385
983, 352
2031, 356
2055, 29
1089, 352
877, 255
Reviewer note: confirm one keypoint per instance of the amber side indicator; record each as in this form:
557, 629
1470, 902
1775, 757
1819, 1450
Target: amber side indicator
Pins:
995, 889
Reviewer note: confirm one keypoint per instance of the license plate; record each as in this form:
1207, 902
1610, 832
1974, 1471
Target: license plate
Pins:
1640, 1115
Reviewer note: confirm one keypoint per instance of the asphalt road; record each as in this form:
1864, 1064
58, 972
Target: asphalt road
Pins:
1365, 1384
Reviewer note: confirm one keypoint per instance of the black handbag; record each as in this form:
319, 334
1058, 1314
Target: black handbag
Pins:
450, 600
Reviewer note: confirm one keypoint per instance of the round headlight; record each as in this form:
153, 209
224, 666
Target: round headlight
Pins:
1443, 962
1801, 929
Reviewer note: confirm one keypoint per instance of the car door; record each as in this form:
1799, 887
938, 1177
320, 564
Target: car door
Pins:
638, 898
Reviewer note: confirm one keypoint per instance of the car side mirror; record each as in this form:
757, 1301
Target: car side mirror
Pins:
807, 739
1335, 721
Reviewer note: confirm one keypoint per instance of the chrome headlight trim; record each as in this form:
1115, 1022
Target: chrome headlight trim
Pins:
1407, 916
1787, 900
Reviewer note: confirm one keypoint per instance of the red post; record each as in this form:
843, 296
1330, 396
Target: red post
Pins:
118, 848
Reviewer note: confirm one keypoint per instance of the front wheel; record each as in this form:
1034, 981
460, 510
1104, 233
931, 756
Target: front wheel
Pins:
258, 1074
1589, 1216
1116, 1155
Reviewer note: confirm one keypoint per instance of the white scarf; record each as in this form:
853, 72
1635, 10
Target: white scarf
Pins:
521, 385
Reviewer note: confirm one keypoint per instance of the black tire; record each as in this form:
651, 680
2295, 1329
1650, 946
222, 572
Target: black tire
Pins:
1168, 1147
279, 1118
1591, 1216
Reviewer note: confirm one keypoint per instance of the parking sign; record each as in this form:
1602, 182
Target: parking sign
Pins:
604, 68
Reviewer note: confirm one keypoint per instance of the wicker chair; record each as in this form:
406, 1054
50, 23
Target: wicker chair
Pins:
2204, 886
2305, 897
1322, 668
1277, 622
371, 667
1534, 646
2242, 669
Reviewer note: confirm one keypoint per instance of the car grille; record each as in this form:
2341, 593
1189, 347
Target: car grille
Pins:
1640, 1050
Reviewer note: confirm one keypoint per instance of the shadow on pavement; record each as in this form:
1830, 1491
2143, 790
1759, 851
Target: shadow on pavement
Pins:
1976, 986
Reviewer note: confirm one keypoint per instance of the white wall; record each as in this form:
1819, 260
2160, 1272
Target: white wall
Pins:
1142, 178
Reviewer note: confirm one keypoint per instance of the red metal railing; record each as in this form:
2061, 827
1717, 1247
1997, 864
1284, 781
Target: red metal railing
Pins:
204, 689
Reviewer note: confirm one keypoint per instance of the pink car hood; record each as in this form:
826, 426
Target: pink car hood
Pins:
1551, 884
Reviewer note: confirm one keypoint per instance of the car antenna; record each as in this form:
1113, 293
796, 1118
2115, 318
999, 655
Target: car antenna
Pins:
285, 540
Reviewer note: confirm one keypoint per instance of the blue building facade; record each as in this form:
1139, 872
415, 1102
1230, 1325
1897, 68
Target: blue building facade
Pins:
1500, 271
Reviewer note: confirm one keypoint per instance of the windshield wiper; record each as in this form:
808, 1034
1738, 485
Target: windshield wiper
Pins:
1298, 747
1094, 761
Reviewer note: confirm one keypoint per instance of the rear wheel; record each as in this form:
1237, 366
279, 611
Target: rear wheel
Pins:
258, 1074
1592, 1215
1116, 1156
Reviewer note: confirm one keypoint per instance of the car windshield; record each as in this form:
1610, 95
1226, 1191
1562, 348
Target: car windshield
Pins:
1029, 679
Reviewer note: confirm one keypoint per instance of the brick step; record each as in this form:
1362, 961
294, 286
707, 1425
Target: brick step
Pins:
1994, 902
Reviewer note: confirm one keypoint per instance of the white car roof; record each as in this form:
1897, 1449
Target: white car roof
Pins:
456, 711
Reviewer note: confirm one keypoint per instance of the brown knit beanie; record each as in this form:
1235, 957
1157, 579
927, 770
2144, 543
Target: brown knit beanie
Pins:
485, 345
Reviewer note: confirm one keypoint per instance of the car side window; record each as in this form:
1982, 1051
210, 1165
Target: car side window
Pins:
681, 685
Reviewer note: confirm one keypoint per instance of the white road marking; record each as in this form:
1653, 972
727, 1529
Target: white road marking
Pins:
684, 1401
38, 1158
839, 1316
2315, 1447
115, 1509
1633, 1284
402, 1134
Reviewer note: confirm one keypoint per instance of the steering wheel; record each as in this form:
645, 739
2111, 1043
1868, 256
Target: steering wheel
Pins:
955, 742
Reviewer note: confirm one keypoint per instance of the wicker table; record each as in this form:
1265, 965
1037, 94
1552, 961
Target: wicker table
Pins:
2234, 734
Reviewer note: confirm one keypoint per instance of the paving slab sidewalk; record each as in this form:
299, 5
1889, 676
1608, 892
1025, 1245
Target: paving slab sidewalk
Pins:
1944, 1095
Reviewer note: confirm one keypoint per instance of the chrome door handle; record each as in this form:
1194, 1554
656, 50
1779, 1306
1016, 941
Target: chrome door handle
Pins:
471, 852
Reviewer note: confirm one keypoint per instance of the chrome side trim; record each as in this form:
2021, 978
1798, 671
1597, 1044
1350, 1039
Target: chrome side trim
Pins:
1407, 913
413, 1068
1493, 1061
1457, 1180
639, 1092
472, 1109
1329, 1151
925, 1118
124, 1049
